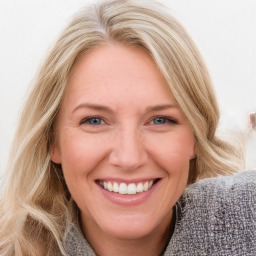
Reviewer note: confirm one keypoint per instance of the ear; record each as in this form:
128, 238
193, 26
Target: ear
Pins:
55, 154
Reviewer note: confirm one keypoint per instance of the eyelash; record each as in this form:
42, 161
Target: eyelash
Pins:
165, 119
88, 119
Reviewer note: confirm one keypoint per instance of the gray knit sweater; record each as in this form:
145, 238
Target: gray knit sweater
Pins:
215, 216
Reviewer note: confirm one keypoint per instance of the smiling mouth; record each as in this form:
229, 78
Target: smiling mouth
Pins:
127, 188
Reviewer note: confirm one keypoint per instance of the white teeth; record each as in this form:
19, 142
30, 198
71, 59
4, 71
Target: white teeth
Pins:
124, 189
145, 186
132, 189
139, 188
110, 188
115, 187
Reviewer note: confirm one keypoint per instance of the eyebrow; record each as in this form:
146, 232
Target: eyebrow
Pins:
161, 107
93, 106
109, 110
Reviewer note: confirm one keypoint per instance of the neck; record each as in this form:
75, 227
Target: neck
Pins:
151, 245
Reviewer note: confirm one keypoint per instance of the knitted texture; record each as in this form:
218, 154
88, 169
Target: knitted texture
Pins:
215, 216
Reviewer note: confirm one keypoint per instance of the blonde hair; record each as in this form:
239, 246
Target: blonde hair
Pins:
36, 207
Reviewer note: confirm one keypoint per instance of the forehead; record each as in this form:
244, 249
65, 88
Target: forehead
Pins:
114, 72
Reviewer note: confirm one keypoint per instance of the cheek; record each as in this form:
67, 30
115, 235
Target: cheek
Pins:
173, 151
81, 153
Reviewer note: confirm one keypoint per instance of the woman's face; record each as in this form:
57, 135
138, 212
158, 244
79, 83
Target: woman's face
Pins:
123, 143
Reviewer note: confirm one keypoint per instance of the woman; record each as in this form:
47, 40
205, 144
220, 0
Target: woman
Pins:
120, 123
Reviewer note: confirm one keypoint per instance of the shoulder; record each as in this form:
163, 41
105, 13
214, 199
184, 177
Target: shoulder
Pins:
237, 187
226, 197
215, 212
237, 179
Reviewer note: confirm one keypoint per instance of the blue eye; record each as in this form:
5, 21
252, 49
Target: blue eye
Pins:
162, 120
159, 120
92, 121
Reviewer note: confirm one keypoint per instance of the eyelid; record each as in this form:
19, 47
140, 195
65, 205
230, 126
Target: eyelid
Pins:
168, 119
86, 119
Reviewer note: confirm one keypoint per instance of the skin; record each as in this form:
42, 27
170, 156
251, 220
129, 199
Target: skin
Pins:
123, 89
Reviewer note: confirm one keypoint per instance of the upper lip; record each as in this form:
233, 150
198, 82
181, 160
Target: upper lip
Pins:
120, 180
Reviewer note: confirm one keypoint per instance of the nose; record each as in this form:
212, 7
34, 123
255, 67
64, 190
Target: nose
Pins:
128, 151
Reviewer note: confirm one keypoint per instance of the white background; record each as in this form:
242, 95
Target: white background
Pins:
224, 30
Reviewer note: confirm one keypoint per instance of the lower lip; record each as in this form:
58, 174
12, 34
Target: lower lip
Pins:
129, 200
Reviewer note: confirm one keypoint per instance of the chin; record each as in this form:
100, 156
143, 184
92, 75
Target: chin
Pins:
130, 228
129, 232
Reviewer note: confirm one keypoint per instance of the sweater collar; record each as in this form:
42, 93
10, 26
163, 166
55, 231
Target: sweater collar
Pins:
76, 245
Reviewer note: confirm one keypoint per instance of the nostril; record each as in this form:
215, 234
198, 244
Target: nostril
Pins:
127, 160
127, 149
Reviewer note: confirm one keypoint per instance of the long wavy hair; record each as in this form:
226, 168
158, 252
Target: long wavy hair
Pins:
36, 206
